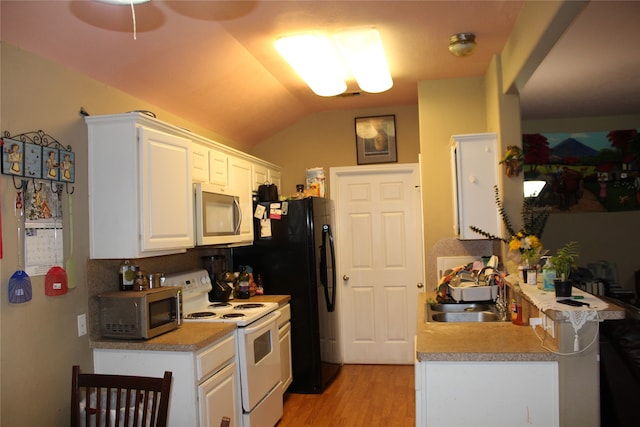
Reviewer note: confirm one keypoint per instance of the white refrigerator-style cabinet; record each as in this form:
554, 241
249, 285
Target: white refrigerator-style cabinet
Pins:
475, 174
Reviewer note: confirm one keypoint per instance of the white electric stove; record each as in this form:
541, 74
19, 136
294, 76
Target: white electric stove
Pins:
257, 345
196, 306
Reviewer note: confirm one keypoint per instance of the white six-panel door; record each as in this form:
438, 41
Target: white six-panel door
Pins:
380, 260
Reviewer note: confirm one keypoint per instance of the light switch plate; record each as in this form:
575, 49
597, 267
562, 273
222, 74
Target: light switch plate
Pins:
82, 324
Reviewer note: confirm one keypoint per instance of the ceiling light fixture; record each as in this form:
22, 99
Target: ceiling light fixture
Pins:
363, 52
316, 62
462, 44
323, 64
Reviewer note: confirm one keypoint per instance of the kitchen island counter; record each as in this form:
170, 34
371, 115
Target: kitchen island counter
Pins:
484, 341
558, 366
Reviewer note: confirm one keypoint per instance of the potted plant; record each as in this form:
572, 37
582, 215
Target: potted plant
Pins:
563, 261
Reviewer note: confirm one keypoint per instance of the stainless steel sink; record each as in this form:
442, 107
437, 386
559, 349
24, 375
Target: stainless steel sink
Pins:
462, 307
471, 316
463, 312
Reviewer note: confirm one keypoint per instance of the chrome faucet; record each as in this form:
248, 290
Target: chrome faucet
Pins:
501, 299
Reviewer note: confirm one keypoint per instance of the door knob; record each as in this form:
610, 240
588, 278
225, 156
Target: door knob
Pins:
420, 285
345, 278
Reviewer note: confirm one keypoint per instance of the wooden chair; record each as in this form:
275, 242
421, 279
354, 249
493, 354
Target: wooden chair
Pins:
113, 400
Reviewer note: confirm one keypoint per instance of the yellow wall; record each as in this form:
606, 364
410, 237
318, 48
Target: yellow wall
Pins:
39, 341
327, 139
447, 107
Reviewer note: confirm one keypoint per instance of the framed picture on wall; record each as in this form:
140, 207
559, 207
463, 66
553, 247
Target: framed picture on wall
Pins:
12, 157
376, 139
50, 163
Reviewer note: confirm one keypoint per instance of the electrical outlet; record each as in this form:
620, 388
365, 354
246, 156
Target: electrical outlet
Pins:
549, 326
82, 324
535, 321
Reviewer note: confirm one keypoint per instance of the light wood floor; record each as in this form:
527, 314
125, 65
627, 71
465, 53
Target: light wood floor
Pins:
361, 396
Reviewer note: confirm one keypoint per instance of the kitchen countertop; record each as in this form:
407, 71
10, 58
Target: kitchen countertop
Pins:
483, 341
494, 341
191, 336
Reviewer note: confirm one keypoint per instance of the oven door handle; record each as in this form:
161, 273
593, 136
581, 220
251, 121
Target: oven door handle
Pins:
262, 322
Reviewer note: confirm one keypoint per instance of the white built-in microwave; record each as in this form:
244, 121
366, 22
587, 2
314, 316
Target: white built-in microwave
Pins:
218, 216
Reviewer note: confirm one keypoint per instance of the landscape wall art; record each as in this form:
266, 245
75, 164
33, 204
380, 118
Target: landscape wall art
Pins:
585, 172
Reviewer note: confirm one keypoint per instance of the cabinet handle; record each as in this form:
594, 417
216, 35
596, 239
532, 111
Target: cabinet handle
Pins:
345, 278
420, 285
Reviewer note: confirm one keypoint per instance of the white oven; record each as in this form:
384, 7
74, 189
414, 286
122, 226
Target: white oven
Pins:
259, 362
257, 345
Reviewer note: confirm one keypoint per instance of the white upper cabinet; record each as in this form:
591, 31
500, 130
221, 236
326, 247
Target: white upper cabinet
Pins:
140, 188
266, 174
241, 184
199, 163
275, 178
218, 168
475, 173
260, 176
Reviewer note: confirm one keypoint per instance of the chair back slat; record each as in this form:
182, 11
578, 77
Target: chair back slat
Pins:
119, 400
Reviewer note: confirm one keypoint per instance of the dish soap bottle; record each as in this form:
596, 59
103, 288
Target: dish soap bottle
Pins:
548, 275
243, 284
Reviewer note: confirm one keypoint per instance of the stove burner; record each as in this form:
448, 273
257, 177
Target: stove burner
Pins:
219, 304
200, 314
248, 306
232, 315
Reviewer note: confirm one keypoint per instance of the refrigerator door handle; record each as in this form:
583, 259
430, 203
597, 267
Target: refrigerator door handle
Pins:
330, 300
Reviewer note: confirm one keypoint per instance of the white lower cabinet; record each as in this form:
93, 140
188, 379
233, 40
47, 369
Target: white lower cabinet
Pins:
218, 397
478, 393
284, 334
205, 384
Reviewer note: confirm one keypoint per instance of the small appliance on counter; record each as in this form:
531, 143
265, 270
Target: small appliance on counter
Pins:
140, 315
222, 281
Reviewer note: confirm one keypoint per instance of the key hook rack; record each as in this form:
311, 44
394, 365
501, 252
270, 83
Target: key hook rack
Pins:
38, 156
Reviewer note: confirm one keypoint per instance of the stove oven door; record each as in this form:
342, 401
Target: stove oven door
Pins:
259, 354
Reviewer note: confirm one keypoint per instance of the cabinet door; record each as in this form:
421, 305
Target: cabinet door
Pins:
218, 398
166, 205
218, 168
274, 177
200, 163
286, 376
260, 176
475, 173
241, 183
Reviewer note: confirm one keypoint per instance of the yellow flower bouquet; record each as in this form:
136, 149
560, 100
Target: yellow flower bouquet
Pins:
529, 246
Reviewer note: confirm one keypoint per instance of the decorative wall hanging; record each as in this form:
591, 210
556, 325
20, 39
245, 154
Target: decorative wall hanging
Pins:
36, 155
376, 139
513, 160
34, 158
585, 172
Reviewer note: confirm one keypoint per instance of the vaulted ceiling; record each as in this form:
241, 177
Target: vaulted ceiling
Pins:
213, 62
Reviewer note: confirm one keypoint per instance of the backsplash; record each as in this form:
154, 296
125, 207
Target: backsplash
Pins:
102, 275
456, 247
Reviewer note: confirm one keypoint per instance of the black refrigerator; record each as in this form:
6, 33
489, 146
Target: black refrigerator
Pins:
293, 251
